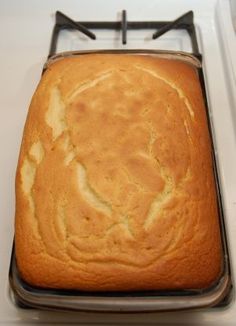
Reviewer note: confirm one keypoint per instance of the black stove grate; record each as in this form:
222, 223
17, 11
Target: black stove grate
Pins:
185, 22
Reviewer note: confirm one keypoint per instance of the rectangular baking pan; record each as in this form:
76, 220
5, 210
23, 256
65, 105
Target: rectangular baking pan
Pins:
218, 294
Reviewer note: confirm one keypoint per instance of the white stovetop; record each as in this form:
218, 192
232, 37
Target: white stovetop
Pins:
25, 31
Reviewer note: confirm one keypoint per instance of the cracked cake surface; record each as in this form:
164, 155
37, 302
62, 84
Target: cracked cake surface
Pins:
115, 186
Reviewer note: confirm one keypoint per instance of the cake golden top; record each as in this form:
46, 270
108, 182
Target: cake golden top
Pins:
115, 186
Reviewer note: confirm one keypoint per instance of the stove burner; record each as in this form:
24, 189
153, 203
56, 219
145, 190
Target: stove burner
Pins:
183, 22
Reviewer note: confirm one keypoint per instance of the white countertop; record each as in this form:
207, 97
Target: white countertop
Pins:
25, 32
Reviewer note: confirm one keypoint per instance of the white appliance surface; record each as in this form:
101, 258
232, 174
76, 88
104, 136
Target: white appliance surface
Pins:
25, 32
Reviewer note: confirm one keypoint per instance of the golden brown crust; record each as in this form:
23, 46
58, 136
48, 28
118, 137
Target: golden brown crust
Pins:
114, 186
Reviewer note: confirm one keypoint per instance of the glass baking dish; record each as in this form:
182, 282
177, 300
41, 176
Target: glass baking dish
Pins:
218, 294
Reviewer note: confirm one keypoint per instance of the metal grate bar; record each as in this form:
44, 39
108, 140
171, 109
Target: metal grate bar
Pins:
184, 22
